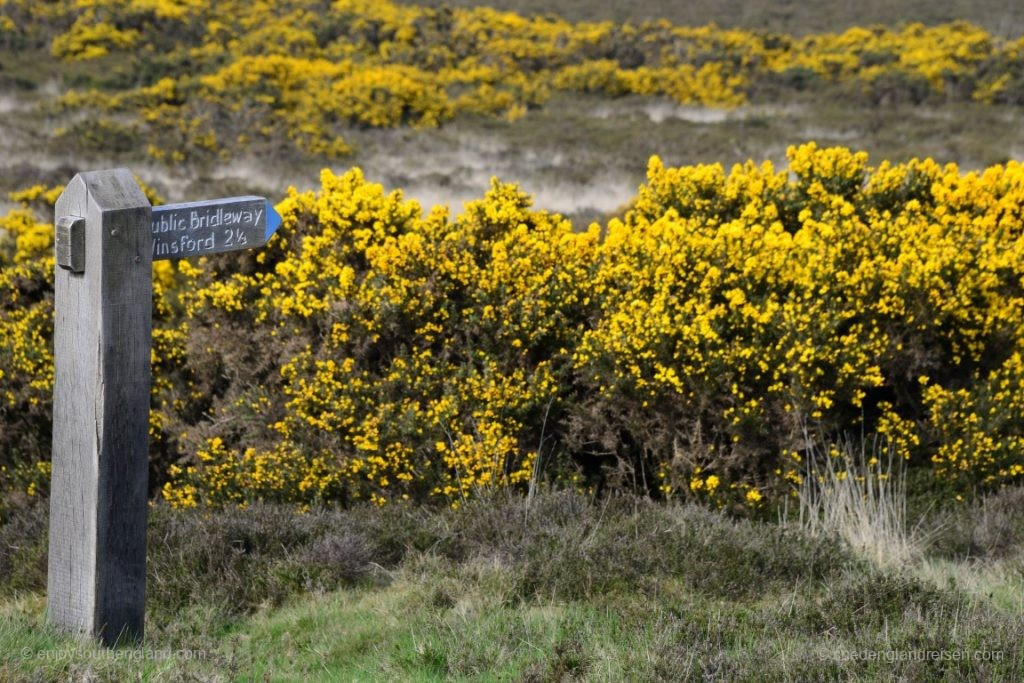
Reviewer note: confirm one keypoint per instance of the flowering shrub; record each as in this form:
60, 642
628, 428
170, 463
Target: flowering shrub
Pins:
26, 356
739, 309
398, 356
373, 352
683, 352
212, 78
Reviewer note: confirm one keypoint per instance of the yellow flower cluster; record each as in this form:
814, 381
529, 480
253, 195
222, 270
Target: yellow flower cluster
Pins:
26, 324
687, 347
419, 375
232, 477
681, 350
222, 76
92, 39
743, 307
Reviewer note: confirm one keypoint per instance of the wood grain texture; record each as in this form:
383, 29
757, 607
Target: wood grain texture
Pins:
102, 339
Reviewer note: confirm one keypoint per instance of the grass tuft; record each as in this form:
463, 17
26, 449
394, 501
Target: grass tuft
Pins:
859, 494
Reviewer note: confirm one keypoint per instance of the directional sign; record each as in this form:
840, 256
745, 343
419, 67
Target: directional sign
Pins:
105, 231
212, 226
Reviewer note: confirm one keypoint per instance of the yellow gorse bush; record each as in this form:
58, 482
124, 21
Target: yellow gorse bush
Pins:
758, 305
702, 333
214, 78
371, 352
374, 352
417, 345
26, 325
692, 341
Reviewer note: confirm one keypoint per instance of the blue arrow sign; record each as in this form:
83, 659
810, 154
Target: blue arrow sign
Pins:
273, 222
212, 226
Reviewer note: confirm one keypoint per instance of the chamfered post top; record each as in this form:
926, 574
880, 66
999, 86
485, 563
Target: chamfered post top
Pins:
113, 189
90, 195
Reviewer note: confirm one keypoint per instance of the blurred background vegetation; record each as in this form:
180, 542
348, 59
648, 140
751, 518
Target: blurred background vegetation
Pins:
1003, 17
582, 155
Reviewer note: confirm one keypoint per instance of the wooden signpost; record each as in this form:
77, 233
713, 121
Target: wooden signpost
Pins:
107, 236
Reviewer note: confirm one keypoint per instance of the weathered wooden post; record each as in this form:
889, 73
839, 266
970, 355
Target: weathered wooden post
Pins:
102, 331
107, 237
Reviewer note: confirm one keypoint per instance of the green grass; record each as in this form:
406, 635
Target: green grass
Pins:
558, 588
405, 631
